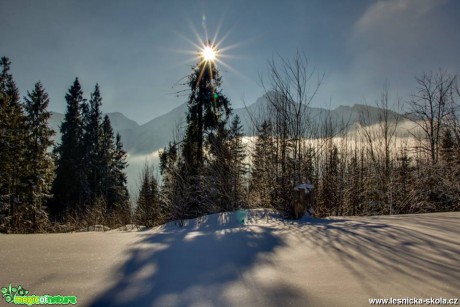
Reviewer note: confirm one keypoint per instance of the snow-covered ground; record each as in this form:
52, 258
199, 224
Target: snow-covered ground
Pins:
216, 261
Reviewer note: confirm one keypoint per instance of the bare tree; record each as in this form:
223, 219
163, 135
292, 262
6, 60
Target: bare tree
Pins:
291, 88
430, 107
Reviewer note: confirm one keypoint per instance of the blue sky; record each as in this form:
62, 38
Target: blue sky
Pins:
139, 50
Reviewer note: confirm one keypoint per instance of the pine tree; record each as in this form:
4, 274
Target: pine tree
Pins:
237, 165
172, 193
118, 197
13, 137
447, 147
107, 154
67, 186
91, 145
39, 161
219, 171
262, 180
148, 205
86, 154
353, 191
404, 182
330, 187
208, 108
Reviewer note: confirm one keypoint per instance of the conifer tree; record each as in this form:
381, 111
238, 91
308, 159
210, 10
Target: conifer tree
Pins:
118, 197
447, 147
148, 206
208, 108
39, 161
172, 195
91, 145
330, 187
67, 187
85, 155
237, 165
13, 137
219, 185
262, 180
107, 153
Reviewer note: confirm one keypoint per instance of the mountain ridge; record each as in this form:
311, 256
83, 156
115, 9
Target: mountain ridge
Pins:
159, 131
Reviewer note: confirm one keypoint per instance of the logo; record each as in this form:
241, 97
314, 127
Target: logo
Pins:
20, 296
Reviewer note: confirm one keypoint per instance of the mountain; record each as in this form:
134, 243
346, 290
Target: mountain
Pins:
120, 123
158, 132
142, 141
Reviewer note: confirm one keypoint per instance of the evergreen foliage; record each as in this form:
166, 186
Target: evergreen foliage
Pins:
13, 149
207, 109
238, 166
148, 211
263, 158
91, 161
39, 160
188, 181
68, 186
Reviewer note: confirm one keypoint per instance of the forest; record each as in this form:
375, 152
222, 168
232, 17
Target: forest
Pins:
405, 158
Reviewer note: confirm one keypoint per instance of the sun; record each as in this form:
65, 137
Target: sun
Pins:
210, 51
208, 54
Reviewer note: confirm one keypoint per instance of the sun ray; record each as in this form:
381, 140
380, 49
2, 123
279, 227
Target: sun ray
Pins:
210, 48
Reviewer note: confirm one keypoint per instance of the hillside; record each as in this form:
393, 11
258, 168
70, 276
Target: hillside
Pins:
217, 261
142, 142
120, 123
158, 132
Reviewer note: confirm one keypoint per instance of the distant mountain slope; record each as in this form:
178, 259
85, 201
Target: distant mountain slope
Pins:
158, 132
120, 123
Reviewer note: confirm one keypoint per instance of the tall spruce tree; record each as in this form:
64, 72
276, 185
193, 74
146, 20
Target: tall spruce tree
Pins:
148, 204
172, 194
113, 178
92, 145
118, 197
39, 160
67, 186
85, 152
218, 170
13, 138
262, 180
330, 187
107, 153
208, 108
238, 167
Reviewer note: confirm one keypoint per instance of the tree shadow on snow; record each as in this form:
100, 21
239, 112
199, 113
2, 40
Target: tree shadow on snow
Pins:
407, 250
200, 263
194, 264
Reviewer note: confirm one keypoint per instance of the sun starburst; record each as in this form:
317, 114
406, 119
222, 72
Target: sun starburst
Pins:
210, 50
209, 54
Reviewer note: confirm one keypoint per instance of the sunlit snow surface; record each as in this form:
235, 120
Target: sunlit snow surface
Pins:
267, 261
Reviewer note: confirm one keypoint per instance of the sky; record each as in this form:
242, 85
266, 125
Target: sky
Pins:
140, 51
